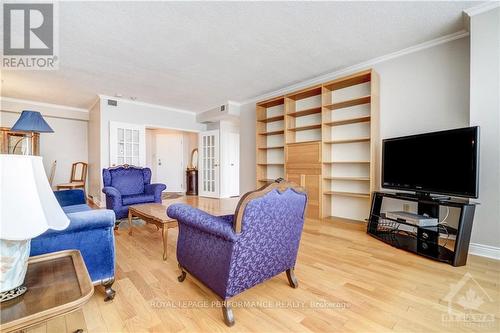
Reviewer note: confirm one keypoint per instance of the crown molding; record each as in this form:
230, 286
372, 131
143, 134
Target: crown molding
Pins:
484, 7
360, 66
167, 108
42, 104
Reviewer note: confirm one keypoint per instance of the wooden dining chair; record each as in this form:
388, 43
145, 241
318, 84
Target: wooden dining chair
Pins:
78, 177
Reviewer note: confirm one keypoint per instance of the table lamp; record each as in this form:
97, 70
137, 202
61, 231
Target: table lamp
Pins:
30, 121
28, 208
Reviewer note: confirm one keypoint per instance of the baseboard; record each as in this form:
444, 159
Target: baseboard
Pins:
484, 251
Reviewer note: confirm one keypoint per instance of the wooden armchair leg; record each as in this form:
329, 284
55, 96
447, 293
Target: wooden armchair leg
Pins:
110, 293
292, 279
181, 277
227, 312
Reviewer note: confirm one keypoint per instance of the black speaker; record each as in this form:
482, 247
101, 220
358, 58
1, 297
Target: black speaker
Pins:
428, 240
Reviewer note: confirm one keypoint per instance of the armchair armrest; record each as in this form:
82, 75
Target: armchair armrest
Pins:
70, 197
155, 189
202, 221
113, 197
87, 220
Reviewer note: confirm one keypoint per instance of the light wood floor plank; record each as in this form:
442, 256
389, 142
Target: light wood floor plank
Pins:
376, 288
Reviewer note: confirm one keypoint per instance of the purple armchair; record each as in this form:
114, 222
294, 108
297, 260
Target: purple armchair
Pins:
232, 253
128, 185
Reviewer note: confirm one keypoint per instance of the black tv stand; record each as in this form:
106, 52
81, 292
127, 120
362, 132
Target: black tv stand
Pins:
424, 195
425, 241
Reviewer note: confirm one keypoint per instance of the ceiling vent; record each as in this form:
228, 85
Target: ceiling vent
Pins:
112, 102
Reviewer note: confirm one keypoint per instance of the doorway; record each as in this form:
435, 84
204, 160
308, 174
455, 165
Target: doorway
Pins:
167, 154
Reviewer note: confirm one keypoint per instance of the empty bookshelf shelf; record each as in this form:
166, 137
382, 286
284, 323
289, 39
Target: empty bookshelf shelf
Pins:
348, 103
305, 112
348, 140
348, 178
272, 119
348, 121
264, 164
348, 194
347, 162
273, 147
273, 133
305, 128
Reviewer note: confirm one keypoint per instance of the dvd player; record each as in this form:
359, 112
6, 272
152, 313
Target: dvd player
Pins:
411, 218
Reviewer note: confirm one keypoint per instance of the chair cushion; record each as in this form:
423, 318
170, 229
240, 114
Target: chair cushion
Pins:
75, 208
137, 199
128, 181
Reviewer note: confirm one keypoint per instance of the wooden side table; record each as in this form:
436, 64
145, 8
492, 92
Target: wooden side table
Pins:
58, 284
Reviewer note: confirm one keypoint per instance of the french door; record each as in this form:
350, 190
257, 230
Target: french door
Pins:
127, 144
208, 175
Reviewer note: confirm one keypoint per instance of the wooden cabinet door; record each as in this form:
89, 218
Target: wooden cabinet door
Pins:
312, 185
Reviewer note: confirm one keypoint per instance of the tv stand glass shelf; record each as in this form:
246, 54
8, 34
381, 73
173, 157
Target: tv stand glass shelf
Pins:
424, 241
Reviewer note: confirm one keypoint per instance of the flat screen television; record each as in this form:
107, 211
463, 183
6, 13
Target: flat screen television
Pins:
444, 162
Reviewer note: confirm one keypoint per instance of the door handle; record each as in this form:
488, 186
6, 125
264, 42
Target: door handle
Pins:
159, 161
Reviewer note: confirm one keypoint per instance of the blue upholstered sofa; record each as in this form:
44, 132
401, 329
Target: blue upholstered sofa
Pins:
232, 253
128, 185
90, 231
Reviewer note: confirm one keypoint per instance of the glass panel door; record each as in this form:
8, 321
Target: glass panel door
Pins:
209, 169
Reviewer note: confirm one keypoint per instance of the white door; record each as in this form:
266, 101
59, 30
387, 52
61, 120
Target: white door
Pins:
208, 174
127, 144
170, 161
234, 164
229, 164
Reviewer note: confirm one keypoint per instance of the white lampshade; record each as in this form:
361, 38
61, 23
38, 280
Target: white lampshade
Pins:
28, 206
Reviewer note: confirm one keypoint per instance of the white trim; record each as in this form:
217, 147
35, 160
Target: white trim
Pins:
153, 127
487, 251
146, 104
360, 66
484, 7
57, 106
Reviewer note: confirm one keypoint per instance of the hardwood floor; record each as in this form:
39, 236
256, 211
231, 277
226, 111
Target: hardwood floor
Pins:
348, 282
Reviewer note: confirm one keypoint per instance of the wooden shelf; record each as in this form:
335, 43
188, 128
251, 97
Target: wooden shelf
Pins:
348, 178
305, 128
348, 121
352, 80
347, 162
272, 102
273, 147
305, 93
305, 112
367, 139
273, 133
271, 119
265, 164
267, 180
348, 194
348, 103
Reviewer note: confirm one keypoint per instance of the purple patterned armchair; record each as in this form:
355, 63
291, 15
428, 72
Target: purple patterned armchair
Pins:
128, 185
232, 253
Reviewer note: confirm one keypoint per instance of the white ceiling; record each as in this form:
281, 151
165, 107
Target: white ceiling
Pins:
196, 55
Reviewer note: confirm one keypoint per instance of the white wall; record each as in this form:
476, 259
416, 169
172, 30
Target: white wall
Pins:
131, 112
190, 142
94, 156
419, 92
485, 112
68, 143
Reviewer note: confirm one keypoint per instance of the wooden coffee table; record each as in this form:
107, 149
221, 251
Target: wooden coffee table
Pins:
58, 284
156, 214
